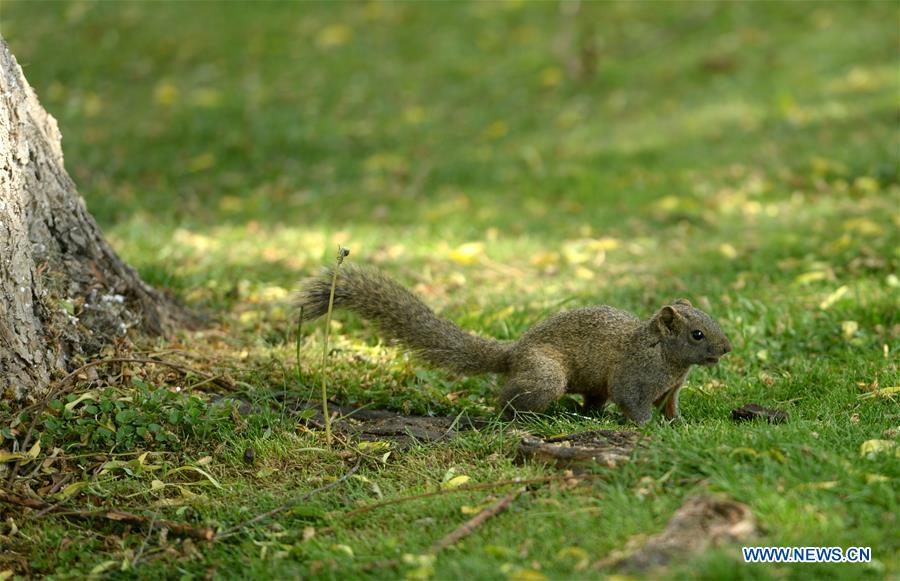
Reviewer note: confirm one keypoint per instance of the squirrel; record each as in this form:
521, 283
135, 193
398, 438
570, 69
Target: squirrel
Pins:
599, 352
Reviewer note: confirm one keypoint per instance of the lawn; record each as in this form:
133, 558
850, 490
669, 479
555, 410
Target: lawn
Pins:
506, 160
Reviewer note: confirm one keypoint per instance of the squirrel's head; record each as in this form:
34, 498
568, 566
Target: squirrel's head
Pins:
689, 335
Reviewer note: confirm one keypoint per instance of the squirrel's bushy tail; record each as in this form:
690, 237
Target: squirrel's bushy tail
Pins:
401, 315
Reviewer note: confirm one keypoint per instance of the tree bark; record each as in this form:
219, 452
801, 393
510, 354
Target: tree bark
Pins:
64, 293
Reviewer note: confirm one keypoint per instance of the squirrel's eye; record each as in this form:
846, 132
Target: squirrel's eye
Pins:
697, 335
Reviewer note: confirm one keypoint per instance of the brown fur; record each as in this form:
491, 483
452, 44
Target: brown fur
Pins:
600, 352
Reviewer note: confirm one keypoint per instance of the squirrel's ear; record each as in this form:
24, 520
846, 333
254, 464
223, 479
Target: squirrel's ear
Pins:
668, 320
684, 302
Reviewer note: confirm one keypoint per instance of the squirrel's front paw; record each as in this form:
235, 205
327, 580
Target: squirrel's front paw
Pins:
592, 411
638, 416
675, 421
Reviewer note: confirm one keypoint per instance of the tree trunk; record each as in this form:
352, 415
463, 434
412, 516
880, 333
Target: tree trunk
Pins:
64, 293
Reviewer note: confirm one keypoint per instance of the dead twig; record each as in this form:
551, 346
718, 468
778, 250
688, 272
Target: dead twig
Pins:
180, 529
470, 525
62, 482
342, 253
21, 500
211, 379
457, 534
290, 504
470, 488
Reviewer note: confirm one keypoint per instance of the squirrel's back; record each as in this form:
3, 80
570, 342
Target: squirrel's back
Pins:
401, 315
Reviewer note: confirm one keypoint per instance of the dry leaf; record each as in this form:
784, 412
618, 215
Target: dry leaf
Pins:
871, 448
72, 489
849, 329
208, 476
728, 251
468, 253
825, 485
834, 297
333, 36
810, 277
456, 481
86, 395
527, 575
10, 456
881, 391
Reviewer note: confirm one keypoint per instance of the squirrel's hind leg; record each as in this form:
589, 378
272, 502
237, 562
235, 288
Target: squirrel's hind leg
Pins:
536, 380
594, 402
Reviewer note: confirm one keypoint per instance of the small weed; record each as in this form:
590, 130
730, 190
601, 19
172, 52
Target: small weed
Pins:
145, 417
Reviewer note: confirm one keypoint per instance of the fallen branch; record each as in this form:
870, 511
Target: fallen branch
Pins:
179, 529
457, 534
470, 525
21, 500
471, 488
290, 504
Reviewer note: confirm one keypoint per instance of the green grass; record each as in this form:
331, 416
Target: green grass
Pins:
742, 155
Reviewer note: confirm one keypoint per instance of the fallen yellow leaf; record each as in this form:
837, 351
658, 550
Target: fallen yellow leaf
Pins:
202, 162
468, 253
605, 243
456, 481
881, 391
574, 552
825, 485
748, 451
165, 93
863, 226
72, 489
551, 76
527, 575
584, 273
871, 448
497, 129
834, 297
344, 549
10, 456
333, 36
728, 251
103, 567
866, 185
849, 329
205, 98
810, 277
414, 115
545, 259
86, 395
